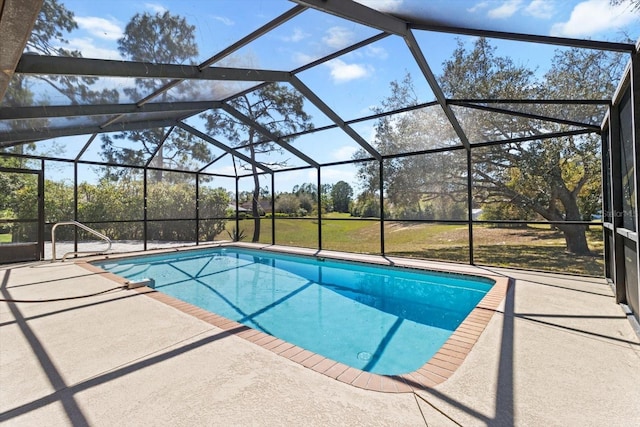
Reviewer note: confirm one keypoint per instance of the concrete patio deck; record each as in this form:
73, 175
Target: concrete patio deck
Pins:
557, 352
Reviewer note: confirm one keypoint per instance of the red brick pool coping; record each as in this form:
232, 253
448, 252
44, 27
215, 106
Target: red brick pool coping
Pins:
438, 369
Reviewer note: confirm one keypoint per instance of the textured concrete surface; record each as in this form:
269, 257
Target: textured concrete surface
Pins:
558, 352
98, 246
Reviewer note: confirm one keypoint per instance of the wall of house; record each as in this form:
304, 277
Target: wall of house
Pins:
621, 169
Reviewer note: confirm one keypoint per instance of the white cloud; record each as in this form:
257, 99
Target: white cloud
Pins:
342, 72
343, 153
594, 16
366, 129
303, 58
226, 21
383, 5
222, 170
506, 10
478, 6
88, 48
338, 37
543, 9
297, 35
157, 8
100, 27
377, 52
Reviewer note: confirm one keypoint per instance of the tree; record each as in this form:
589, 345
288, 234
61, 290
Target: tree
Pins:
305, 188
547, 176
48, 38
635, 4
366, 205
289, 204
277, 108
422, 186
341, 194
307, 194
162, 38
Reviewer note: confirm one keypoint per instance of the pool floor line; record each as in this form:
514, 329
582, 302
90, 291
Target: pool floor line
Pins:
436, 370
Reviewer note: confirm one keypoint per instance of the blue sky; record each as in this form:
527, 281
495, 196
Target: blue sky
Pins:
351, 85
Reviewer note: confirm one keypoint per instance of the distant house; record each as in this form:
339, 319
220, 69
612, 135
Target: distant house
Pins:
232, 207
264, 206
475, 214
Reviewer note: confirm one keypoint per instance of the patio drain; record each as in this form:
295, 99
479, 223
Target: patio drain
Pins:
364, 355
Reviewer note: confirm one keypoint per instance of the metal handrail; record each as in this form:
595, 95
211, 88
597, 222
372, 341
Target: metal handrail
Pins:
84, 227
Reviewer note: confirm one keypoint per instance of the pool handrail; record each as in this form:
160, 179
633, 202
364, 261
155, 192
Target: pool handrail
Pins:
84, 227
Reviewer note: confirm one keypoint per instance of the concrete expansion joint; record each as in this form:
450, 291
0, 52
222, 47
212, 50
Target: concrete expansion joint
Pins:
424, 399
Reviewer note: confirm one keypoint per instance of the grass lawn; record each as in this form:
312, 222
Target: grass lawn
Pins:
536, 247
5, 238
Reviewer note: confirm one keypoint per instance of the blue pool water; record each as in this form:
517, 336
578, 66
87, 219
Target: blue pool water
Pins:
378, 319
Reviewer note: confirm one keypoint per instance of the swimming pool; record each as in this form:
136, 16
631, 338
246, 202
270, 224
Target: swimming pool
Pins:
377, 319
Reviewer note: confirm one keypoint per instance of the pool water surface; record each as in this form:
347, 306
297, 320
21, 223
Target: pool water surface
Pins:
382, 320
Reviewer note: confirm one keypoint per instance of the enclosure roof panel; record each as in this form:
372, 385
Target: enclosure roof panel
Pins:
274, 72
565, 22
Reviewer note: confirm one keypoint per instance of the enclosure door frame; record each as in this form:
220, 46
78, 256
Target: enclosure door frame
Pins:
39, 255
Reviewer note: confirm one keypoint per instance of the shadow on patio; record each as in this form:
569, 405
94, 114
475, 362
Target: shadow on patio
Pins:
555, 350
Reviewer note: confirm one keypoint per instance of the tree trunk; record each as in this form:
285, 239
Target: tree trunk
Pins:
576, 238
159, 162
255, 200
255, 209
575, 235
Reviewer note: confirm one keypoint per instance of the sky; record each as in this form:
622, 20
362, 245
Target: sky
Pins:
352, 84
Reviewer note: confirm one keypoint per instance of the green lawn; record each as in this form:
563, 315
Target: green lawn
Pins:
537, 247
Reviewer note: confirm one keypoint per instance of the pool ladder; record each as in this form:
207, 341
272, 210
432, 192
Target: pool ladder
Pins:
84, 227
